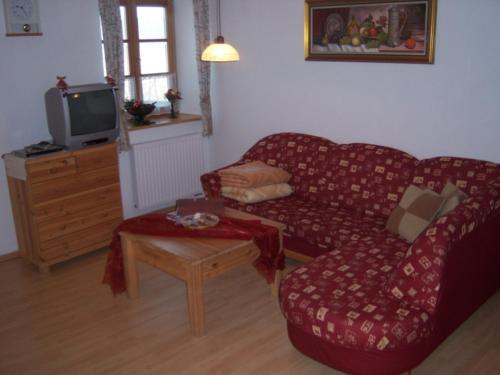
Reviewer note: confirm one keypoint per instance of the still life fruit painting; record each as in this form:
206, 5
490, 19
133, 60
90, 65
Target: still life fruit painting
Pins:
369, 30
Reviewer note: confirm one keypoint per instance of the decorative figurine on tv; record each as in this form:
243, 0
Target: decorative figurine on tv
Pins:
61, 83
110, 80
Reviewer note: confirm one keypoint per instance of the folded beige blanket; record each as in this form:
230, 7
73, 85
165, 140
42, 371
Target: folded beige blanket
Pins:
254, 174
258, 194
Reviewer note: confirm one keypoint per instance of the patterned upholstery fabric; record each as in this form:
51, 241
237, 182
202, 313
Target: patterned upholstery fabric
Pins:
370, 290
346, 192
299, 154
467, 174
364, 178
337, 297
417, 279
325, 227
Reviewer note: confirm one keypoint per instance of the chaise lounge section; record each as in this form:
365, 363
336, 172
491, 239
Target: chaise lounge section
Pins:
369, 301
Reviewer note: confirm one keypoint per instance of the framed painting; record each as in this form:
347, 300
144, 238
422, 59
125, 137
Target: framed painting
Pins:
400, 31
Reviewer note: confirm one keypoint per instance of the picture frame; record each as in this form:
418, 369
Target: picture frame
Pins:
396, 31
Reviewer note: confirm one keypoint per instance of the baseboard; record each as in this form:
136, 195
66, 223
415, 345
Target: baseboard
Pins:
10, 256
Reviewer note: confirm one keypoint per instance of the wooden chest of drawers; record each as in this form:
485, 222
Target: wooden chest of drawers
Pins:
64, 204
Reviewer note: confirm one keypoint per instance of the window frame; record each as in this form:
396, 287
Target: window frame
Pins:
134, 41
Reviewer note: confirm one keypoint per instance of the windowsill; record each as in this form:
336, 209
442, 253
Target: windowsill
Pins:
164, 120
164, 128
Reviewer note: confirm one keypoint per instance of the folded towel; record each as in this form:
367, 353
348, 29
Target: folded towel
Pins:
254, 174
258, 194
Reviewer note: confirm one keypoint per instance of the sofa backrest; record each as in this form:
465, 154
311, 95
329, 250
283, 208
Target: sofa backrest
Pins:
301, 155
366, 178
468, 174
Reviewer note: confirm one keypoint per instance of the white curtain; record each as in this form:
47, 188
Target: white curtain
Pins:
113, 51
202, 32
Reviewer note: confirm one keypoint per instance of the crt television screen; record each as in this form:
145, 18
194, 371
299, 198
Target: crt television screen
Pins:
91, 112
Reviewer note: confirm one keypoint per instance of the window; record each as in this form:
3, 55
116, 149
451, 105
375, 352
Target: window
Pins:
148, 48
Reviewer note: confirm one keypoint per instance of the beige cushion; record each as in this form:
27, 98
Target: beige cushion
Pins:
258, 194
453, 195
416, 210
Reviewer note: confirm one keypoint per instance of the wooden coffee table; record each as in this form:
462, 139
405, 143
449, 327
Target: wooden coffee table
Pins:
192, 260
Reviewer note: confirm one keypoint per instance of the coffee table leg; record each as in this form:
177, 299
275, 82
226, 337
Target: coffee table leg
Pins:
130, 266
275, 286
194, 286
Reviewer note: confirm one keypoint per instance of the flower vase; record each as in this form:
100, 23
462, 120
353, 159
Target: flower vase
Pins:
173, 112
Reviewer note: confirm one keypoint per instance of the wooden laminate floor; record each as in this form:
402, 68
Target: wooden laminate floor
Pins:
69, 323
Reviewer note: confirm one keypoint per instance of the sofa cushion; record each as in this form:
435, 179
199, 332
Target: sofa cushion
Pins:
338, 298
416, 210
331, 227
453, 195
322, 226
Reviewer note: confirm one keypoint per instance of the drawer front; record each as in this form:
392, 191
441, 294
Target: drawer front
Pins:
94, 158
66, 186
48, 169
65, 225
89, 239
77, 203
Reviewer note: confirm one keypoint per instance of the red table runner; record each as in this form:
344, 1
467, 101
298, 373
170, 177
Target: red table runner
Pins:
266, 238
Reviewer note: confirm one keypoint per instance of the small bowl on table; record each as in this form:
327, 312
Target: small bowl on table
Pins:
199, 220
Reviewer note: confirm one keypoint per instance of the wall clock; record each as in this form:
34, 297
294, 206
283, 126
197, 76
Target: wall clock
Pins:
22, 17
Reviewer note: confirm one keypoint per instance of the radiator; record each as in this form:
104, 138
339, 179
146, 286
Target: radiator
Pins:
166, 170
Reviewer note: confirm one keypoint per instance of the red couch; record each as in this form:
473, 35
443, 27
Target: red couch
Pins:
370, 302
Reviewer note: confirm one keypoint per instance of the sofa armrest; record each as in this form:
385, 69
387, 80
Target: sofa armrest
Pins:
210, 181
417, 279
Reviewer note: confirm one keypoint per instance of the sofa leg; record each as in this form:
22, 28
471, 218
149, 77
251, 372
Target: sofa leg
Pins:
406, 372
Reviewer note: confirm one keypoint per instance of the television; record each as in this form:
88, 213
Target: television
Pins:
83, 115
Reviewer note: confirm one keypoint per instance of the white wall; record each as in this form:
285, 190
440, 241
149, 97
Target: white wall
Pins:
28, 67
70, 46
451, 107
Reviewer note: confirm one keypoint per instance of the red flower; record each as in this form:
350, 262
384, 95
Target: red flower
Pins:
137, 104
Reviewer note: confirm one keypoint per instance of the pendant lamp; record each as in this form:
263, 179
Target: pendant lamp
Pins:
220, 51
